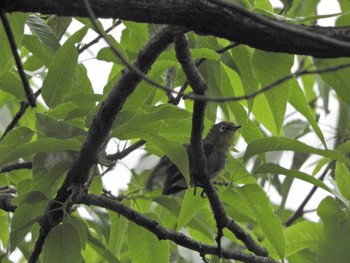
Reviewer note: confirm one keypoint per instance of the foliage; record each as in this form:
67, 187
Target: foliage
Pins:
51, 135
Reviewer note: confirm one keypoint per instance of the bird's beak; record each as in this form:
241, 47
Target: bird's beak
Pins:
235, 128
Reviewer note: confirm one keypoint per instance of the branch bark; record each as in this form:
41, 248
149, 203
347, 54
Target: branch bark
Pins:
99, 130
207, 17
163, 233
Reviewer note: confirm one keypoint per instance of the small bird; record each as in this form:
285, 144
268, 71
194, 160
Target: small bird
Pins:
216, 146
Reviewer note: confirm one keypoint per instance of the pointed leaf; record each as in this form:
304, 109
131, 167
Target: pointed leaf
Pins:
342, 177
191, 204
279, 65
44, 32
62, 245
298, 101
256, 199
276, 169
59, 78
43, 145
145, 247
287, 144
23, 219
337, 80
300, 236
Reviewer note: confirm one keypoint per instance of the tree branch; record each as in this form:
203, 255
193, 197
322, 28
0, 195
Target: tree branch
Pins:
28, 91
16, 166
165, 234
198, 157
18, 116
300, 211
99, 130
207, 17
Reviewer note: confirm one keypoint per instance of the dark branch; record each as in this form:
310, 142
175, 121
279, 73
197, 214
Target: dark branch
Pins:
165, 234
16, 166
5, 203
100, 128
300, 211
198, 157
197, 97
98, 38
119, 54
18, 116
28, 91
126, 152
208, 17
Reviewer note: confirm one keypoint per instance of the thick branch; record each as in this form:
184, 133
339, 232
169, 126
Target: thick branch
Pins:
207, 17
99, 130
163, 233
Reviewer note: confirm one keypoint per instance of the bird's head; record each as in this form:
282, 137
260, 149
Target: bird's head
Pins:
222, 134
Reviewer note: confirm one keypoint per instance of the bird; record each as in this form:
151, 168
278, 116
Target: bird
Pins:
216, 147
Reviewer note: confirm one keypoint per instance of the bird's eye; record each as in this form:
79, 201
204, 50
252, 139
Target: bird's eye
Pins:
223, 128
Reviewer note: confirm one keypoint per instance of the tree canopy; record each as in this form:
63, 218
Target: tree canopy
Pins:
178, 67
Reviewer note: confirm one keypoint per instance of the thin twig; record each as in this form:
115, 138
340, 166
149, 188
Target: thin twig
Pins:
117, 53
16, 166
125, 152
176, 100
28, 91
300, 211
98, 38
18, 116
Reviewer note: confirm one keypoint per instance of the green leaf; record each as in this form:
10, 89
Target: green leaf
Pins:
29, 197
10, 83
23, 219
175, 151
297, 237
278, 66
298, 101
134, 36
59, 25
96, 185
276, 169
263, 4
191, 204
15, 138
163, 119
243, 60
98, 246
263, 113
287, 144
81, 228
57, 129
108, 55
342, 177
58, 81
337, 80
119, 226
62, 245
204, 53
145, 94
59, 77
4, 227
212, 72
44, 145
44, 32
145, 247
256, 199
38, 49
49, 170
